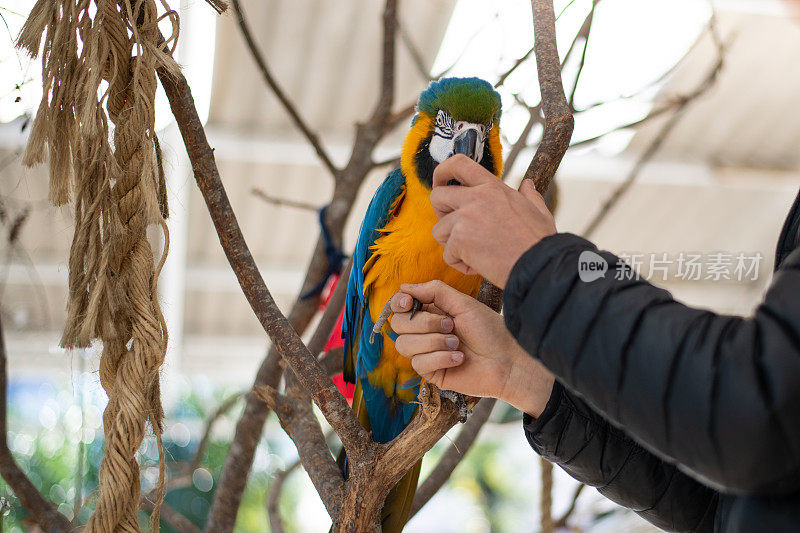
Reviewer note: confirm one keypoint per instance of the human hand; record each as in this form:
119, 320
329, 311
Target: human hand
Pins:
459, 344
485, 225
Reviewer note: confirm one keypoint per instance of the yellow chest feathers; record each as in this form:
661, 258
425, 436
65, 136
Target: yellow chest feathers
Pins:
407, 253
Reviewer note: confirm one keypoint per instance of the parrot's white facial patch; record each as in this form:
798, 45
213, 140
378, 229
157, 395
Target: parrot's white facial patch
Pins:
446, 130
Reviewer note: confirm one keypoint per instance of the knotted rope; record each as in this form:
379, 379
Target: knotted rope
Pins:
118, 192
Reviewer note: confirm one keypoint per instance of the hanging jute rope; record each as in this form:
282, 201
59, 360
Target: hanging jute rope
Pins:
98, 63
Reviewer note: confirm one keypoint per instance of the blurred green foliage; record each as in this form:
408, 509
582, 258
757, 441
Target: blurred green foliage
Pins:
49, 432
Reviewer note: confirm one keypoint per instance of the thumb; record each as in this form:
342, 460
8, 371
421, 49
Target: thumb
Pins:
528, 190
440, 294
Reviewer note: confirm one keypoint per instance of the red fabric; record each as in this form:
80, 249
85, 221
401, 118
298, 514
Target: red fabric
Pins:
336, 340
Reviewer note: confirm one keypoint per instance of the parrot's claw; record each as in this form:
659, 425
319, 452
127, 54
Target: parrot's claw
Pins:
416, 305
458, 399
384, 316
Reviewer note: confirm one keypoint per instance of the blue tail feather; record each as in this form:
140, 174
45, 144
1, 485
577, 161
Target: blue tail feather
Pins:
387, 416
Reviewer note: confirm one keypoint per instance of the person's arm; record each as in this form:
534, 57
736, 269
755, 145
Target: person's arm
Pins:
486, 361
571, 435
718, 395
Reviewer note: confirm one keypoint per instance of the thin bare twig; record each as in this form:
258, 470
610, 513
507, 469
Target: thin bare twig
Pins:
220, 6
393, 162
288, 105
332, 361
48, 518
680, 107
615, 196
504, 76
561, 522
305, 206
226, 405
419, 62
414, 52
274, 497
331, 314
534, 118
584, 33
546, 501
172, 517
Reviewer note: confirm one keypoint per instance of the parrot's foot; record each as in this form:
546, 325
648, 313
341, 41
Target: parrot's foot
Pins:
459, 400
416, 305
430, 399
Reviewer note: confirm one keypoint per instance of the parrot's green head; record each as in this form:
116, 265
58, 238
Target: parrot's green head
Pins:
454, 115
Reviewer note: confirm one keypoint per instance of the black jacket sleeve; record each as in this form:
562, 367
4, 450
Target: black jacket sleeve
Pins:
571, 435
717, 395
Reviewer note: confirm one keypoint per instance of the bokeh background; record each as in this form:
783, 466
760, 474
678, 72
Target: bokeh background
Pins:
719, 179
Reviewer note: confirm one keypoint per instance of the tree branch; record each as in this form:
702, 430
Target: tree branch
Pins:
558, 122
239, 460
384, 107
298, 421
310, 375
502, 79
453, 456
375, 471
288, 105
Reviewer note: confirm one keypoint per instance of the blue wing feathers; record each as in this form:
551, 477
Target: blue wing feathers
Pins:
361, 356
387, 416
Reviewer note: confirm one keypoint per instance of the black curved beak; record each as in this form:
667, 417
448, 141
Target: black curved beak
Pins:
467, 143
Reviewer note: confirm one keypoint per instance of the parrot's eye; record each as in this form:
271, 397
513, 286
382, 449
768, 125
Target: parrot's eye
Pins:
444, 124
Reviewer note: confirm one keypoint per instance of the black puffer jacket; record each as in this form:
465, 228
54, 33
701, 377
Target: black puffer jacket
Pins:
690, 418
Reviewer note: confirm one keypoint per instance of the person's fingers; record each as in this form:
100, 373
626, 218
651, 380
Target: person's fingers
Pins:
442, 229
435, 377
462, 169
412, 344
429, 363
430, 308
423, 322
457, 263
401, 302
445, 200
528, 190
441, 295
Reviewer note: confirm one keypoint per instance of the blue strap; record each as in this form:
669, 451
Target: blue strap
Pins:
334, 254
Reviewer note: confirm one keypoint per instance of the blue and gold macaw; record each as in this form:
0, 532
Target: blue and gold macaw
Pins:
454, 115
